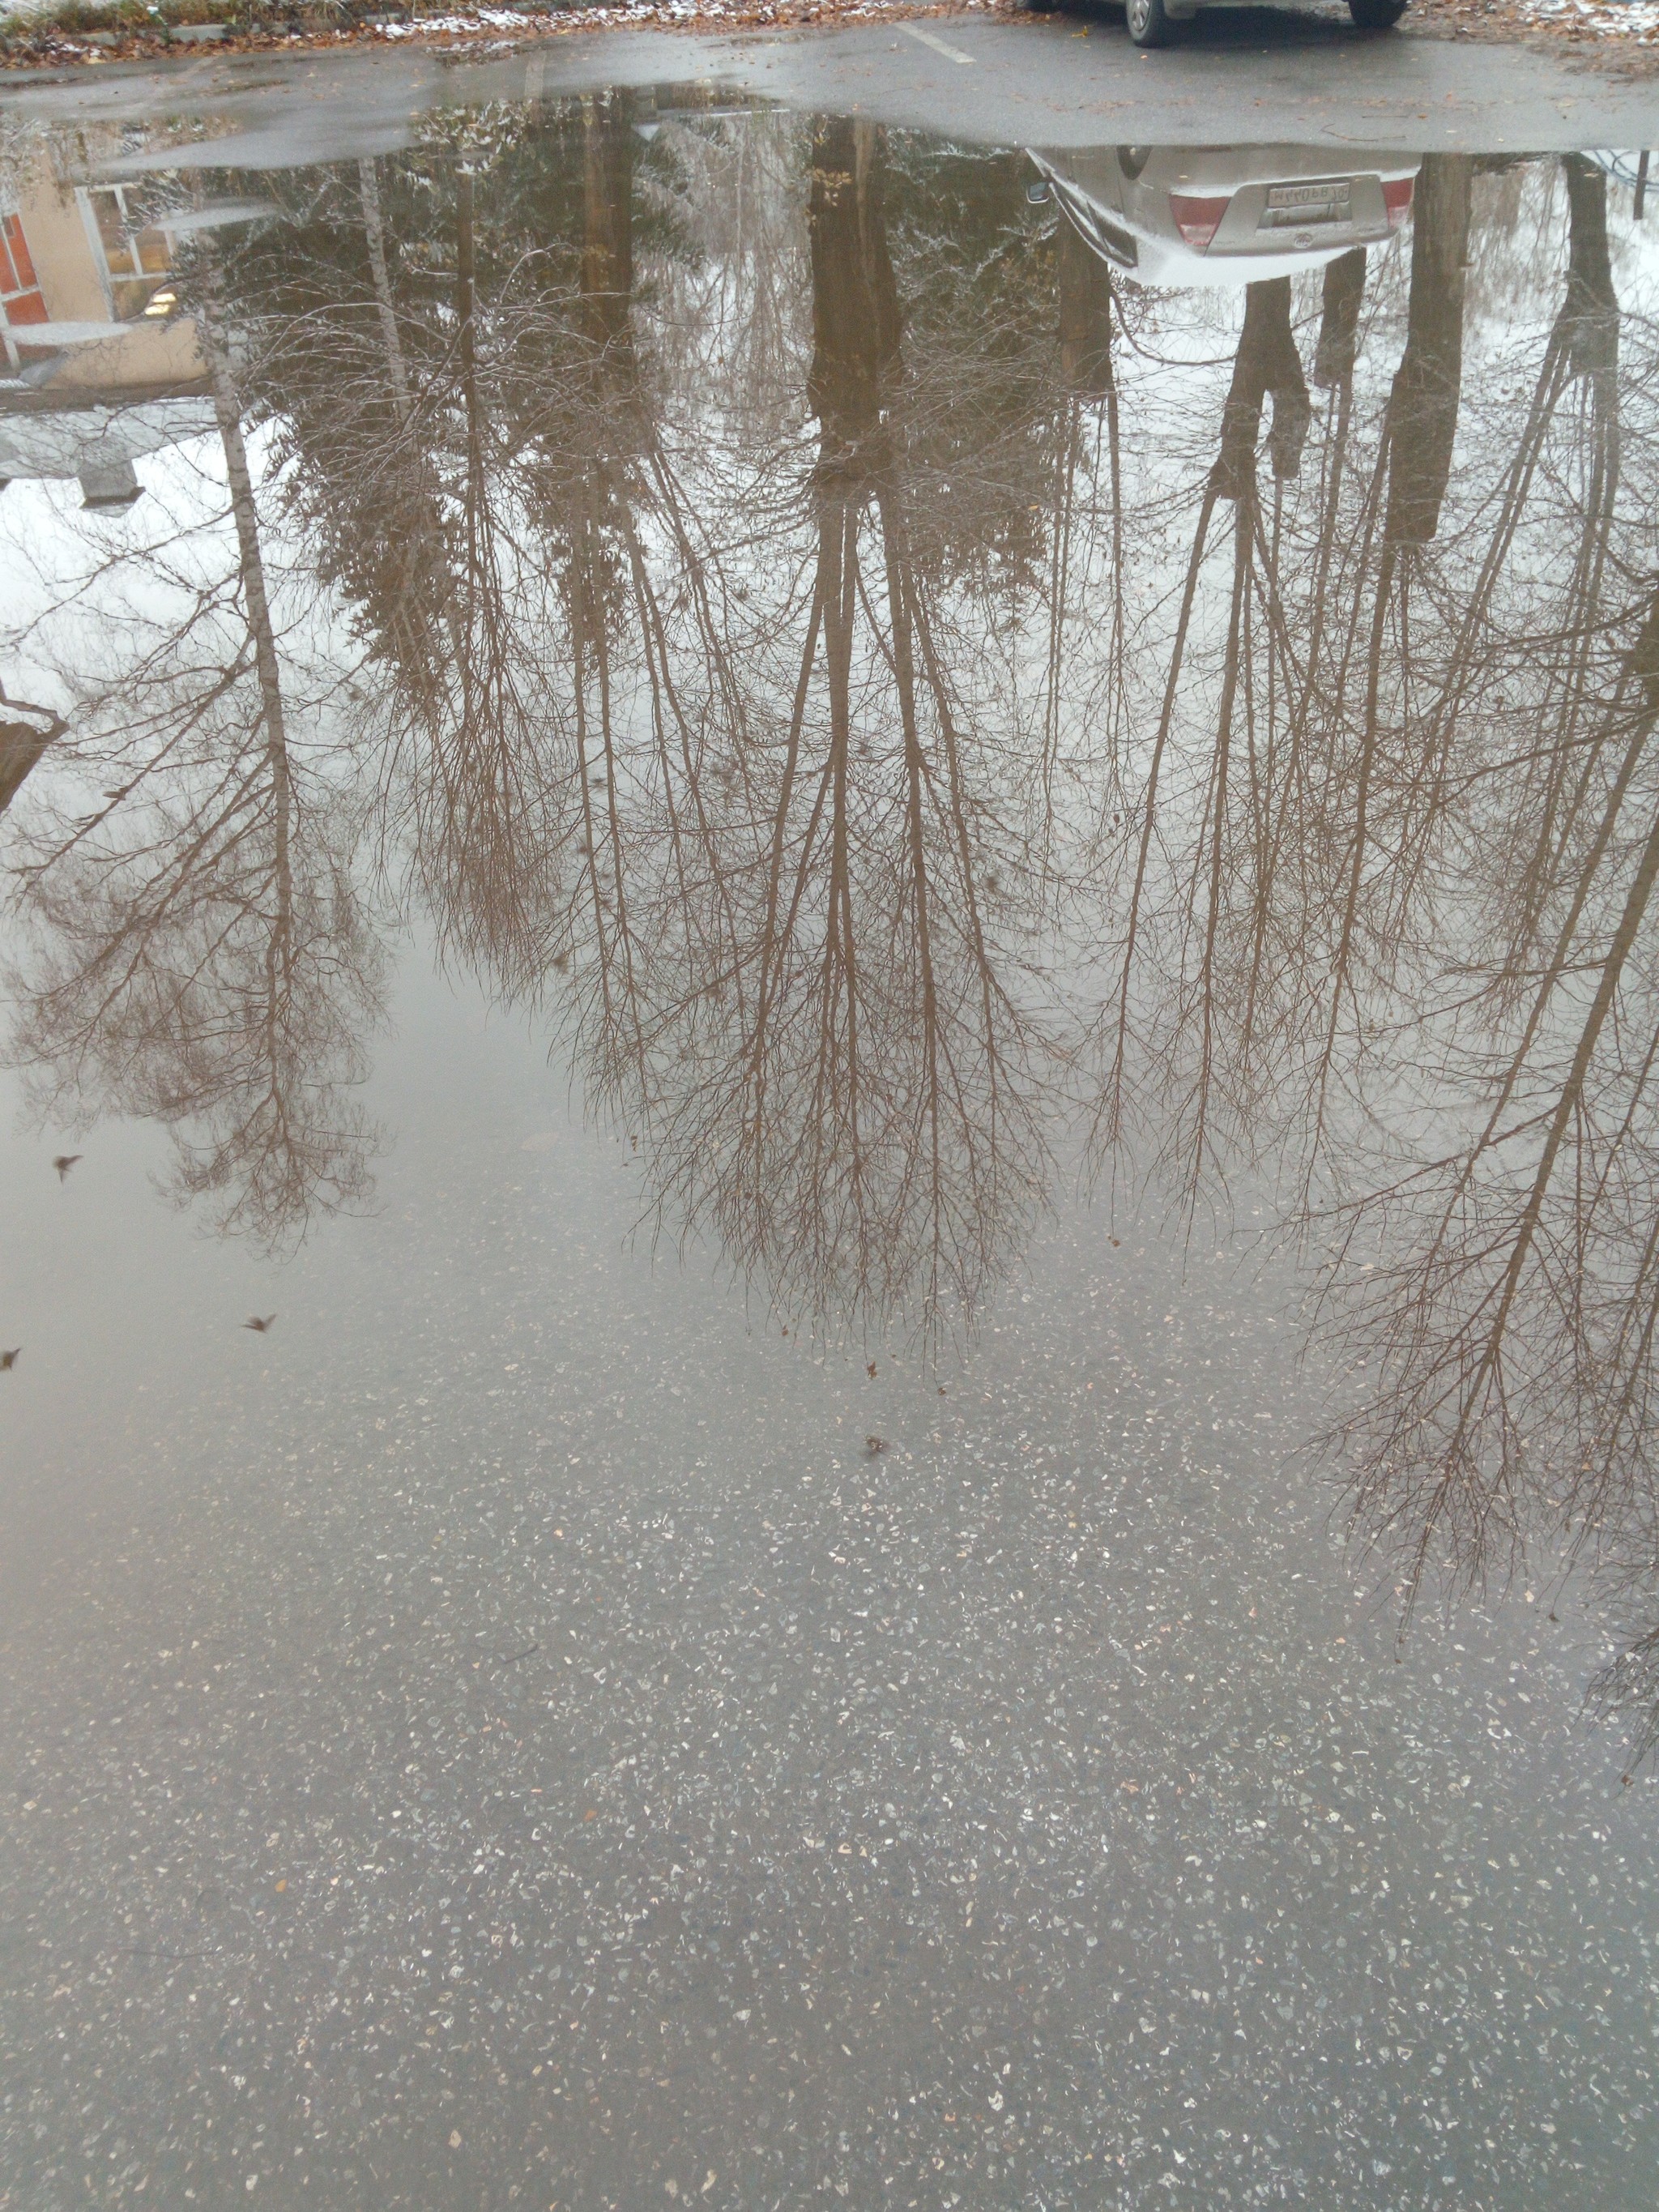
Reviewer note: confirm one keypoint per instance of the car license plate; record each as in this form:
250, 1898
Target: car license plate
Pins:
1290, 206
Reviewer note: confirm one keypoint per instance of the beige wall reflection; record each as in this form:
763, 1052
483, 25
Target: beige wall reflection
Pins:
100, 366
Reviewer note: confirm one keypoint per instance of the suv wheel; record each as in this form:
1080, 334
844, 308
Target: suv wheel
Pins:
1149, 26
1375, 15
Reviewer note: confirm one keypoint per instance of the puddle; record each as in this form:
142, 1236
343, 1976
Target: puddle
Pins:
889, 904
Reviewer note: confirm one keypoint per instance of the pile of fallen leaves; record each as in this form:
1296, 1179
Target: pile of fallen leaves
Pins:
1603, 30
43, 41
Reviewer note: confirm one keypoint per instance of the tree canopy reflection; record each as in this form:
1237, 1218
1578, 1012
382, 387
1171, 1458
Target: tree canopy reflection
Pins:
916, 714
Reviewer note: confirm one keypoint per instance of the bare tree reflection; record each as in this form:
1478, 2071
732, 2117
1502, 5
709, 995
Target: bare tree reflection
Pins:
704, 766
843, 1088
773, 597
1506, 1310
200, 954
1189, 1044
1384, 912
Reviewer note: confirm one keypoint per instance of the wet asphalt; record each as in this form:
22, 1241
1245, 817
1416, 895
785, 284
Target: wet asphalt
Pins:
1247, 74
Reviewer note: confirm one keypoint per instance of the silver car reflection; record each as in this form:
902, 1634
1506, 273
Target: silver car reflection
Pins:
1224, 215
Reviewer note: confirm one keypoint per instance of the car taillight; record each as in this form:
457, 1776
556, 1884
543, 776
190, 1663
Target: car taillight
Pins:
1397, 198
1197, 220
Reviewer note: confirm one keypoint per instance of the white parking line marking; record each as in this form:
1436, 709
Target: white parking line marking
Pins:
927, 37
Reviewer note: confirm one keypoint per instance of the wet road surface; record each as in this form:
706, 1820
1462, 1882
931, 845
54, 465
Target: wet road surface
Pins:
1071, 78
892, 899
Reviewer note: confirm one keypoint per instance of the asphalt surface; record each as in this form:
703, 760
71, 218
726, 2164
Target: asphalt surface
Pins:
508, 1730
541, 1725
1246, 75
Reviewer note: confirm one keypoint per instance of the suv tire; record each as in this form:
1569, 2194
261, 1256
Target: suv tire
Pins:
1149, 25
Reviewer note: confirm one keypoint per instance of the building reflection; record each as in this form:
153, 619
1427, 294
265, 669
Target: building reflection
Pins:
103, 363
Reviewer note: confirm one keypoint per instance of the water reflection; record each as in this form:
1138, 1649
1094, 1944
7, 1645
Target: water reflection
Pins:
917, 686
